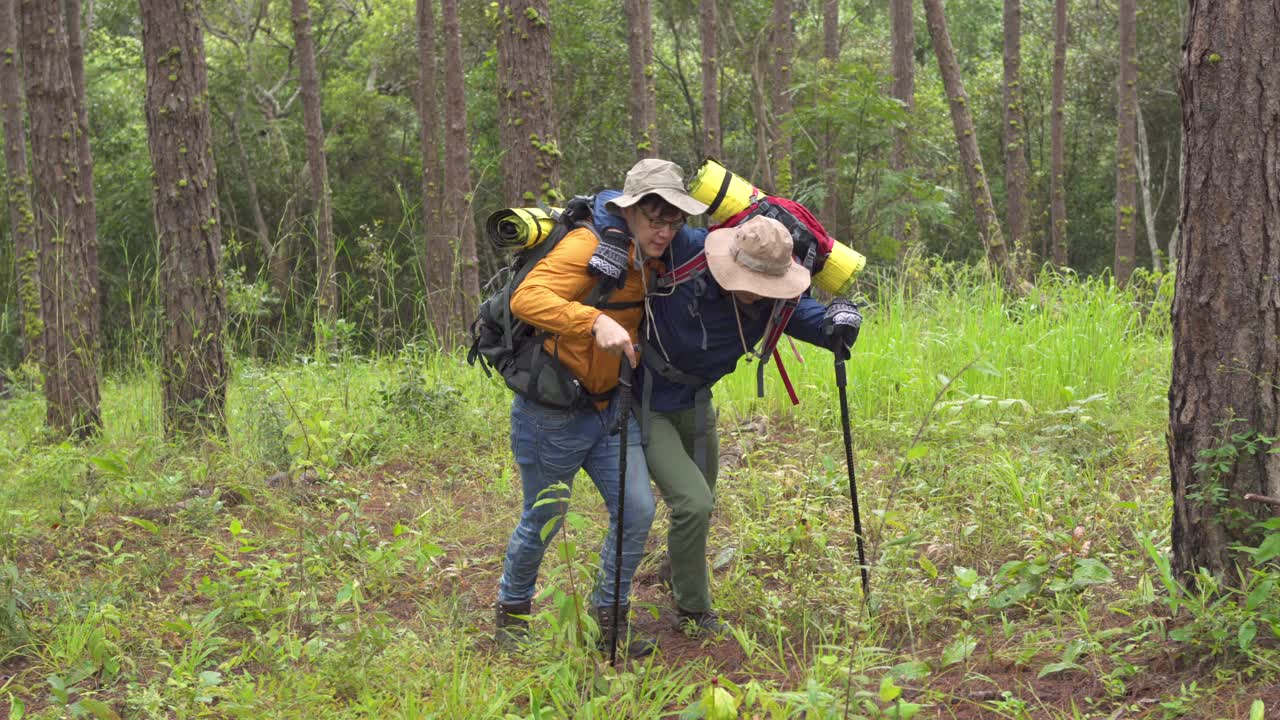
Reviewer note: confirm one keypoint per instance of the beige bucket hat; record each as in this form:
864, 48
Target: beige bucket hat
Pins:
659, 177
756, 257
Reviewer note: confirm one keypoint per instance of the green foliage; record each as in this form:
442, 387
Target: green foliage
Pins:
334, 556
343, 540
861, 117
369, 68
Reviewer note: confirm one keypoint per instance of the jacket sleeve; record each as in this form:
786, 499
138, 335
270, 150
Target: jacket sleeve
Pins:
552, 293
806, 323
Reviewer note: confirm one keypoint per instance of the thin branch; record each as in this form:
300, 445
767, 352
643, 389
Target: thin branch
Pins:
1264, 499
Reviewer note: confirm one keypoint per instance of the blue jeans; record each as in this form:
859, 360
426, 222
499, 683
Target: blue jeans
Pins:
550, 446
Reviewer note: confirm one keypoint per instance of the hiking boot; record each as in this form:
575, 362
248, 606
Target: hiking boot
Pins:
630, 644
511, 623
693, 624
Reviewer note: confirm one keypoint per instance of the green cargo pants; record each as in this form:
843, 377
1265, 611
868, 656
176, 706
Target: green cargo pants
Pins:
689, 492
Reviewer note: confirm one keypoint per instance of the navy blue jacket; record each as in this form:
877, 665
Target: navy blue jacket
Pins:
694, 323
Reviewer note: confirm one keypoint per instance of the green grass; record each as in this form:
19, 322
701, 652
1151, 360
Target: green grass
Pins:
335, 555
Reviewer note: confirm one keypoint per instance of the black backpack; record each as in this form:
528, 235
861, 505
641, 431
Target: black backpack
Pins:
514, 348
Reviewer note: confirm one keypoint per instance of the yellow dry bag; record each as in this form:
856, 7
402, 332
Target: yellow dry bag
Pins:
840, 269
724, 193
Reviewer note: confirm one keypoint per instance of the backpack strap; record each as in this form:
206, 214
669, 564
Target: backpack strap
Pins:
782, 312
539, 360
786, 379
688, 270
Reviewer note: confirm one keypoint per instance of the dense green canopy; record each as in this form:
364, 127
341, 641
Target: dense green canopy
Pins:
368, 62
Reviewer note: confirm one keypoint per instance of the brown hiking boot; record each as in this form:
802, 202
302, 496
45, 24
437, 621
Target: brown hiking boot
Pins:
694, 624
630, 644
511, 623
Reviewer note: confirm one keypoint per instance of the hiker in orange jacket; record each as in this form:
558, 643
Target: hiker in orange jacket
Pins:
551, 444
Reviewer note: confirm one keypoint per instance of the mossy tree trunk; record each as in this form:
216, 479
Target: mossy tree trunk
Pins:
644, 95
321, 198
274, 254
21, 219
903, 44
436, 257
75, 56
460, 220
1057, 122
970, 159
708, 30
1226, 317
184, 205
783, 38
526, 104
1126, 142
1142, 163
68, 253
1016, 171
826, 155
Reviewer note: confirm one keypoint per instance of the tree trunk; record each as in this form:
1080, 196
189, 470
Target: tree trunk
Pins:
21, 218
1126, 140
1226, 357
644, 97
273, 255
826, 155
1057, 121
1143, 165
780, 75
255, 203
903, 43
75, 45
460, 220
68, 254
760, 110
531, 149
321, 201
975, 176
436, 258
180, 137
1177, 225
1016, 172
677, 32
707, 28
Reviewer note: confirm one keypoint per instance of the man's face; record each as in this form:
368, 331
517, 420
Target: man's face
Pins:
653, 233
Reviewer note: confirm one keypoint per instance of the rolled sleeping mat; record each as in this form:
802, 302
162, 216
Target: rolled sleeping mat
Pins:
724, 193
518, 229
838, 273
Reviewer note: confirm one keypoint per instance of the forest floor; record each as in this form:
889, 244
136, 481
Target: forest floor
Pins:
1000, 676
337, 554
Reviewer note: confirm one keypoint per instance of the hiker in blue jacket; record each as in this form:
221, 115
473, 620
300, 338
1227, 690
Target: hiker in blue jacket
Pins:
723, 293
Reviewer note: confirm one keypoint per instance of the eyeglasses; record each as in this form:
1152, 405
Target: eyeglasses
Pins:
658, 224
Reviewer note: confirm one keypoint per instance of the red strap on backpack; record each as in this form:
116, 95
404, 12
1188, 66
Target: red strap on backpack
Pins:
786, 380
684, 272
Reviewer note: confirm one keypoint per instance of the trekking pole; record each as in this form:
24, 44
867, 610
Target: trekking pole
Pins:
624, 409
841, 382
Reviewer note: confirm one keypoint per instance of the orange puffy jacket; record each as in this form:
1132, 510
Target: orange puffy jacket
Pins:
552, 298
